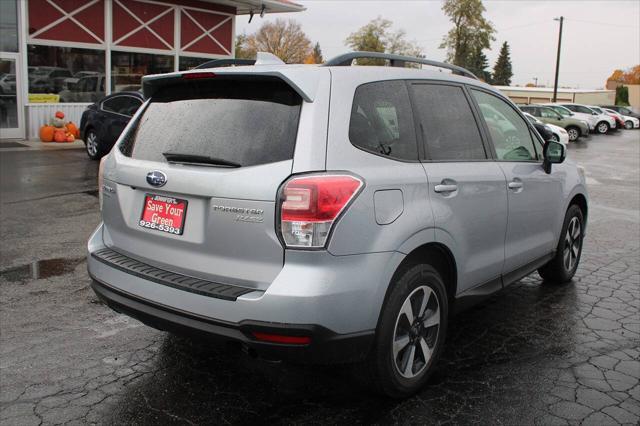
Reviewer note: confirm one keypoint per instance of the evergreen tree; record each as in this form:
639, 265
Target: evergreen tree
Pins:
478, 63
502, 72
317, 54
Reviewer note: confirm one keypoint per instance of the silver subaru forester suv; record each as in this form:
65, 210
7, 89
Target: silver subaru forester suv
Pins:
330, 214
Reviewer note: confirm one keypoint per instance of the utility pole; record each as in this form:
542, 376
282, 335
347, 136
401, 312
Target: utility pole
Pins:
555, 85
535, 81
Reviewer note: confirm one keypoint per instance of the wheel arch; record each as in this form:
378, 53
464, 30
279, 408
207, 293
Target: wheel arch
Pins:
574, 126
581, 201
435, 254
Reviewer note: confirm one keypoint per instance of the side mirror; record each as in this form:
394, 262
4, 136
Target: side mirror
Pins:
553, 153
594, 113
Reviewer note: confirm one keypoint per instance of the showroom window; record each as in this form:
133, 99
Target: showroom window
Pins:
65, 74
128, 68
8, 26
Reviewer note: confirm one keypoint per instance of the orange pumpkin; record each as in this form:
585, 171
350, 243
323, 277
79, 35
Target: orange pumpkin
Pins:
60, 135
70, 137
46, 133
71, 128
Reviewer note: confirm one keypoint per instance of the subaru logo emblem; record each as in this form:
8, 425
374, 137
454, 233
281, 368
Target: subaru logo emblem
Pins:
156, 178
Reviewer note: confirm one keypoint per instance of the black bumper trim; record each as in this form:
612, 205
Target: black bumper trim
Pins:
326, 347
171, 279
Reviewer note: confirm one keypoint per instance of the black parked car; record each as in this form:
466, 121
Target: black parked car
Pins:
622, 110
102, 122
544, 130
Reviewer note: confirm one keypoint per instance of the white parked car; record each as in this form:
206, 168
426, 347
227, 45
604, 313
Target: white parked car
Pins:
629, 122
602, 122
560, 134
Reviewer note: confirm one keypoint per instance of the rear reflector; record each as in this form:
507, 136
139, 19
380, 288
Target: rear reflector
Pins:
309, 206
279, 338
195, 75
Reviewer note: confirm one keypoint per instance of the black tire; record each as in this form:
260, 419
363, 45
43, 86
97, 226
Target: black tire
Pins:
602, 127
93, 146
574, 133
383, 372
558, 270
628, 125
555, 137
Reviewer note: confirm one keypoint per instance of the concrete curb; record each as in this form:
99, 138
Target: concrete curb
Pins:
36, 145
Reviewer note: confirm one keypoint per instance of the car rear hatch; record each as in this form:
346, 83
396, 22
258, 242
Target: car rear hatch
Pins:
194, 178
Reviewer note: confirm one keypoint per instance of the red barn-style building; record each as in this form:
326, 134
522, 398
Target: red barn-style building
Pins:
66, 54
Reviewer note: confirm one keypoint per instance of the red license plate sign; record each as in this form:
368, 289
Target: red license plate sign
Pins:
164, 214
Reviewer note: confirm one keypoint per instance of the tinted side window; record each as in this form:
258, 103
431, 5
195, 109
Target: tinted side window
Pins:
509, 132
448, 125
584, 110
382, 122
125, 105
548, 113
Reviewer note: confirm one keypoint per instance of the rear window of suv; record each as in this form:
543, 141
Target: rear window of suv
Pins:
246, 121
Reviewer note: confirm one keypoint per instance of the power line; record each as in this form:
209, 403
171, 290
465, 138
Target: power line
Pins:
604, 23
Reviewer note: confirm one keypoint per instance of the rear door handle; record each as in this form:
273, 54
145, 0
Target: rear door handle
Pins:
516, 184
445, 188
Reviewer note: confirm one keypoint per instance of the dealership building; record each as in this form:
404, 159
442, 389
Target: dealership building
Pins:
533, 95
62, 55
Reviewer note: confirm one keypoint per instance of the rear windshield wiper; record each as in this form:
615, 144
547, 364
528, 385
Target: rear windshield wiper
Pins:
199, 160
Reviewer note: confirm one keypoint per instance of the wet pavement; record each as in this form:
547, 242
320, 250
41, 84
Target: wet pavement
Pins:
536, 353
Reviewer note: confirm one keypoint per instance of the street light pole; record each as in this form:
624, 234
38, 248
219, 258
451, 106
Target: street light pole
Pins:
555, 85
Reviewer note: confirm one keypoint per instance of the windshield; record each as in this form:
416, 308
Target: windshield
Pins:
245, 122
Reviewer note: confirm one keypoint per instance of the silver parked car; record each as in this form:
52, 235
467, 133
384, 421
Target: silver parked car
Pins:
330, 213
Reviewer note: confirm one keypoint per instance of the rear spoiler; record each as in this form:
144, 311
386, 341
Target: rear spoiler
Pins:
301, 79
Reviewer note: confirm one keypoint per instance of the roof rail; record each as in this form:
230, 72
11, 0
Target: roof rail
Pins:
395, 61
217, 63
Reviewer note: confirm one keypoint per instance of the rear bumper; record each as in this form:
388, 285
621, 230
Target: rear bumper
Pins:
333, 300
326, 347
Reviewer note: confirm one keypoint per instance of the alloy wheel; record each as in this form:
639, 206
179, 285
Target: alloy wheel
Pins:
92, 144
416, 332
603, 128
628, 125
573, 134
572, 244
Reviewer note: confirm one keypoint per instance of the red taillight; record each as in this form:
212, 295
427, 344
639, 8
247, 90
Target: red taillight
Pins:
311, 204
195, 75
280, 338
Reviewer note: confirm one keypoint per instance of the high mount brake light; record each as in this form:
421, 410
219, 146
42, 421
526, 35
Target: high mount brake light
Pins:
196, 75
310, 205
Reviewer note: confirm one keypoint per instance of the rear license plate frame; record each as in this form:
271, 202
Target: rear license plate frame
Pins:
165, 199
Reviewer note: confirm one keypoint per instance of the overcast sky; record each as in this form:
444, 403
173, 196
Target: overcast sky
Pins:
598, 36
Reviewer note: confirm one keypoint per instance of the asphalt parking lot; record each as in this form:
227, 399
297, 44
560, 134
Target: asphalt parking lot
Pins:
534, 354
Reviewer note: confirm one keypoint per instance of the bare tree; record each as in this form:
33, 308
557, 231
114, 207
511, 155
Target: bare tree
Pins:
285, 39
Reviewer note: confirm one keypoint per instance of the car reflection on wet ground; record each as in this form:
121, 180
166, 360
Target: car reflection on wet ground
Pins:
537, 353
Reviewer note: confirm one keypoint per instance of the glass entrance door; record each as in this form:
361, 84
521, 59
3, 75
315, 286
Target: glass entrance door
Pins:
11, 111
